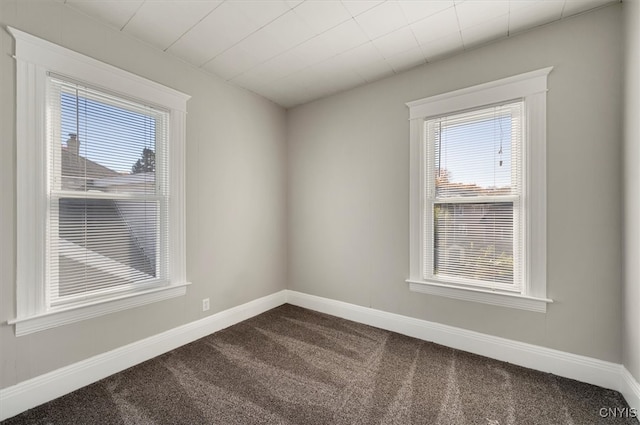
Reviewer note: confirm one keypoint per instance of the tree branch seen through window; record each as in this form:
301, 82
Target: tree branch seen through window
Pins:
145, 164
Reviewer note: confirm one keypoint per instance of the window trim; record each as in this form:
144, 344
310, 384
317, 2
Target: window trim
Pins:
36, 57
532, 88
432, 199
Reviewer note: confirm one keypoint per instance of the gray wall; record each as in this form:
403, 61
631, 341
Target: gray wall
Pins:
631, 357
236, 246
348, 188
346, 212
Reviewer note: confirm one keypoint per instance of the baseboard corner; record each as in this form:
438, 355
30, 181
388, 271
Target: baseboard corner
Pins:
581, 368
630, 389
41, 389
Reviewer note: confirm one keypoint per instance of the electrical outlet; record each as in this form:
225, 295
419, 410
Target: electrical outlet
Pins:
205, 304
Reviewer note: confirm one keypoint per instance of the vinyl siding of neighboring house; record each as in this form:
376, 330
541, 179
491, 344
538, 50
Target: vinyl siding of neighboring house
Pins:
123, 231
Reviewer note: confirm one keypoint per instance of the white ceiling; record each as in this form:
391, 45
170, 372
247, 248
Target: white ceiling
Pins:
294, 51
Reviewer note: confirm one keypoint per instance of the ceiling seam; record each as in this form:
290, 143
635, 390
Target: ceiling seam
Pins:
132, 16
384, 58
247, 36
194, 25
299, 44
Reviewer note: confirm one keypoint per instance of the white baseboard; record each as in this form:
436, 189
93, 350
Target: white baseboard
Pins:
630, 389
581, 368
44, 388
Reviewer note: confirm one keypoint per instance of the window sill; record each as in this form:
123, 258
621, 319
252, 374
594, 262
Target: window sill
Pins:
52, 319
484, 296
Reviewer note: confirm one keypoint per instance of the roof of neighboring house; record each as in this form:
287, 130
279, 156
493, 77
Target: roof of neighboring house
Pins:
444, 187
74, 165
106, 237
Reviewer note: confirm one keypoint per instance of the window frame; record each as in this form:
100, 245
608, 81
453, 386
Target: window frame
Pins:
35, 59
57, 193
531, 88
432, 199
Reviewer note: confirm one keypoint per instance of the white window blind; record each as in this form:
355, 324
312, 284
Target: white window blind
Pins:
107, 225
473, 216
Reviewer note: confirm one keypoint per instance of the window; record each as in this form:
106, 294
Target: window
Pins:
478, 188
100, 188
107, 198
473, 191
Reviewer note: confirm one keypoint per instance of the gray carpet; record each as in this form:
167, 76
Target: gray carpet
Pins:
295, 366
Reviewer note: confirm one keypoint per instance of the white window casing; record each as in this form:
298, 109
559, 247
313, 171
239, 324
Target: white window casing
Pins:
40, 66
527, 289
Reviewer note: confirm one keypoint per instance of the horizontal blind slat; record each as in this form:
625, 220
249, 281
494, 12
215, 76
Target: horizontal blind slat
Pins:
473, 189
108, 224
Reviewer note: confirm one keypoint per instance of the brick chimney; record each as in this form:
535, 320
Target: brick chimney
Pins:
73, 144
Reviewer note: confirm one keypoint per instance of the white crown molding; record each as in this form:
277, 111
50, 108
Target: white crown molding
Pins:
41, 389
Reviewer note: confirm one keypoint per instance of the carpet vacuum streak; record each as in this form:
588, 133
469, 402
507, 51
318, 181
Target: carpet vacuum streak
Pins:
295, 366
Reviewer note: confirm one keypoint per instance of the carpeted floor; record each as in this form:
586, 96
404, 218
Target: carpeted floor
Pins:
296, 366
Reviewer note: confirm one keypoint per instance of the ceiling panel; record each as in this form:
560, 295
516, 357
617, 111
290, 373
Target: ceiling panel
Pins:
571, 7
417, 10
346, 80
336, 72
407, 59
275, 68
444, 46
356, 7
293, 3
319, 86
288, 30
471, 13
244, 56
293, 51
220, 30
374, 71
363, 54
286, 92
516, 5
321, 16
113, 12
260, 12
396, 42
485, 32
382, 19
162, 23
330, 43
231, 63
534, 13
264, 45
436, 26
